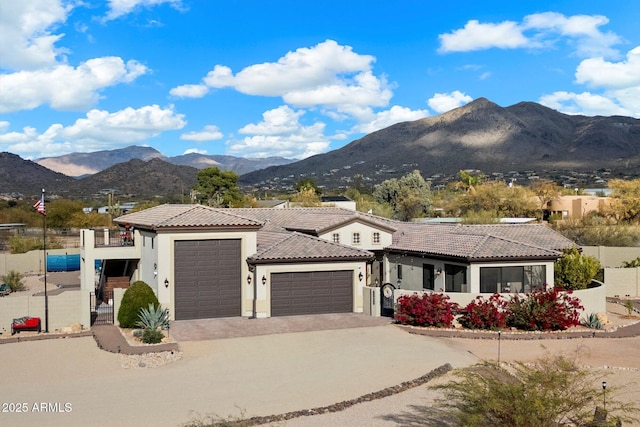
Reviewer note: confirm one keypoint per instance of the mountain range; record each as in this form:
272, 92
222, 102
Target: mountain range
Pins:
480, 136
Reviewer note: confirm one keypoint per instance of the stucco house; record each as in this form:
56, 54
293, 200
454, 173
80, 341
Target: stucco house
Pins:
205, 262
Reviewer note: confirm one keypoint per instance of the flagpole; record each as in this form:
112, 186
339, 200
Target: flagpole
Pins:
46, 297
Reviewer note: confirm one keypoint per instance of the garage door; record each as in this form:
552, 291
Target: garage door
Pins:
207, 279
311, 292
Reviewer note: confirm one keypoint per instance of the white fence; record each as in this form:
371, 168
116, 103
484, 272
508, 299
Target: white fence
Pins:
65, 309
31, 262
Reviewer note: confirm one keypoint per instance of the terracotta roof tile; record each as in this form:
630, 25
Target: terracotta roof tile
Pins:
301, 247
186, 216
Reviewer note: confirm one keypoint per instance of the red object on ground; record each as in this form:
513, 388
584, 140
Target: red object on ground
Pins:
26, 324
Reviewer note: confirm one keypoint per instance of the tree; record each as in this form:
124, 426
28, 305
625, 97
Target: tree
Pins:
469, 181
218, 188
545, 191
306, 183
409, 196
552, 391
60, 211
625, 200
306, 197
496, 197
575, 270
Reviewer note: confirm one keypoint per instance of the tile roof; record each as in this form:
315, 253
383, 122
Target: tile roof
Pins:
481, 242
281, 233
186, 216
289, 247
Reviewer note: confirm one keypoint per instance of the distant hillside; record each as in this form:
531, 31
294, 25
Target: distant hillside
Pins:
81, 164
28, 178
239, 165
139, 178
480, 135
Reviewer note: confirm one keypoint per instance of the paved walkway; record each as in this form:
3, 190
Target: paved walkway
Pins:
109, 338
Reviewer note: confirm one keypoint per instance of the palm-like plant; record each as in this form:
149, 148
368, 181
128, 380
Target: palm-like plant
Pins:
153, 318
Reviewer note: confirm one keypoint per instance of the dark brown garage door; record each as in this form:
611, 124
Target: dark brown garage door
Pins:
311, 293
207, 279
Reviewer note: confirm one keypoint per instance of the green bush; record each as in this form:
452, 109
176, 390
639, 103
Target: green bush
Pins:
152, 336
575, 270
13, 279
138, 296
552, 391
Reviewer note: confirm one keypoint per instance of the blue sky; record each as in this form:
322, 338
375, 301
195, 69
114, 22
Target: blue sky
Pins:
291, 78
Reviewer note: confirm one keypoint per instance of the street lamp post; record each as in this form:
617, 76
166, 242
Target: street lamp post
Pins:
604, 395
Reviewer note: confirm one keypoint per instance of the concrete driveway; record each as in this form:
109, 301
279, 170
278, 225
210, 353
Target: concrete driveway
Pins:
81, 385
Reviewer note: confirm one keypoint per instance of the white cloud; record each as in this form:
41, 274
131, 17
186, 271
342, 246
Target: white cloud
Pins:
26, 39
598, 72
538, 30
209, 133
118, 8
328, 75
584, 103
477, 36
395, 114
443, 102
100, 130
280, 133
189, 91
583, 29
619, 83
65, 87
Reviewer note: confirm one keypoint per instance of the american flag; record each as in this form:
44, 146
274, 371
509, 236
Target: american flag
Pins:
39, 205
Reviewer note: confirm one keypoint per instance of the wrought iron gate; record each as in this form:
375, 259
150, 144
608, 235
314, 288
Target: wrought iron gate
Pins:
102, 308
387, 300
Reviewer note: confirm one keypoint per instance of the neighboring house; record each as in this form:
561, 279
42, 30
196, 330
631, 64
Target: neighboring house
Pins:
208, 262
577, 206
338, 202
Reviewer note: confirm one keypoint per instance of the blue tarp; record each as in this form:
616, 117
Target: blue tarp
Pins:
63, 263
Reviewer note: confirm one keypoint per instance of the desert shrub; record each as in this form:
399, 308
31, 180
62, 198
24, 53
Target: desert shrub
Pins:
153, 318
552, 391
13, 279
138, 296
592, 321
551, 309
575, 270
428, 309
482, 313
631, 264
152, 336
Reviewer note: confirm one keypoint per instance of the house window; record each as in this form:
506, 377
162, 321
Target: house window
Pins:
335, 237
512, 279
399, 271
428, 276
455, 278
376, 238
356, 238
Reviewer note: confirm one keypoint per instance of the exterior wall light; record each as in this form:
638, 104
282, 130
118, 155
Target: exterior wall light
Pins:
360, 276
166, 283
249, 279
264, 280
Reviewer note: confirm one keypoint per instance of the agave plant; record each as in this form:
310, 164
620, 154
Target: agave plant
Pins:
153, 318
592, 321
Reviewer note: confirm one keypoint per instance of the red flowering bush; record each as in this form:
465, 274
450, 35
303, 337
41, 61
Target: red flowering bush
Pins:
428, 309
552, 309
484, 313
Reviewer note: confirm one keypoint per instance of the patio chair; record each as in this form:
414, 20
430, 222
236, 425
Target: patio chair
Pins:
4, 290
